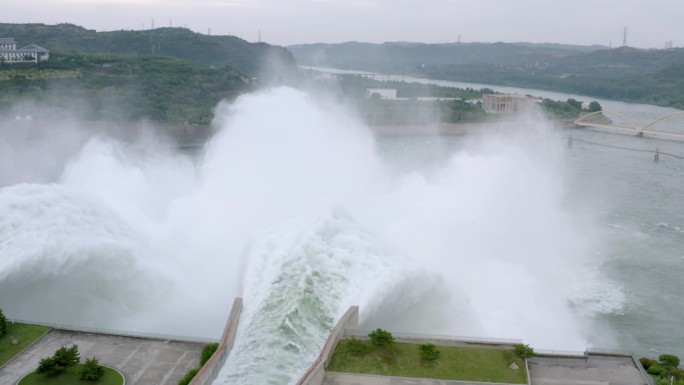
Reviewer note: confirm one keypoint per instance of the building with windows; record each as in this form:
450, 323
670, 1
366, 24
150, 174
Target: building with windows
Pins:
507, 103
30, 54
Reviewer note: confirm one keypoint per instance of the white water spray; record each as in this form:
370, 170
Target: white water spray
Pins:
293, 209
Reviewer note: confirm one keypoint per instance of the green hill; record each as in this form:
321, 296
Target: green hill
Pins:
118, 89
163, 75
625, 73
251, 59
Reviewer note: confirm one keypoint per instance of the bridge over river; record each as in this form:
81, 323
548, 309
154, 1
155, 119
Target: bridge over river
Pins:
599, 120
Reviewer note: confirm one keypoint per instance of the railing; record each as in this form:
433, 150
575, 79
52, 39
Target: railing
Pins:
561, 353
437, 338
123, 333
641, 369
608, 352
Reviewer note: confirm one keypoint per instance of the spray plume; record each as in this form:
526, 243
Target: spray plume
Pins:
291, 207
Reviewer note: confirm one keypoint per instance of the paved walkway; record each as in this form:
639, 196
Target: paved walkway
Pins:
334, 378
594, 370
142, 361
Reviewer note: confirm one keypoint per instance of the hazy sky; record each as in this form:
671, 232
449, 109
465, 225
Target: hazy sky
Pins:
650, 23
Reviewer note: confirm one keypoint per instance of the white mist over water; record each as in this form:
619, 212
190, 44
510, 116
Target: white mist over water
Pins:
292, 208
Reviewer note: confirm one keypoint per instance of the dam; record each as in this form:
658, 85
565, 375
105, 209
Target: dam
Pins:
505, 235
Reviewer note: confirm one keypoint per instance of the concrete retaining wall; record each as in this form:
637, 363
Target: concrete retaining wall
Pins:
644, 374
209, 371
314, 375
112, 332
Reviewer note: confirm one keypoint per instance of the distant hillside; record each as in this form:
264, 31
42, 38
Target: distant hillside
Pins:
250, 59
399, 55
117, 89
550, 59
623, 73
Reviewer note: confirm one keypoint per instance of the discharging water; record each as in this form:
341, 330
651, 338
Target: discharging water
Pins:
297, 208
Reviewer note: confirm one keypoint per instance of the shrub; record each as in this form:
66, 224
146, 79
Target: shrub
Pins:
49, 367
3, 324
67, 357
677, 373
524, 351
647, 362
207, 352
92, 370
669, 360
357, 348
381, 338
188, 376
666, 381
429, 352
388, 354
656, 370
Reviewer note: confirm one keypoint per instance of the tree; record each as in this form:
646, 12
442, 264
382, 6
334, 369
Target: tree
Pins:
575, 103
67, 357
595, 107
3, 324
381, 338
429, 352
92, 370
669, 360
49, 367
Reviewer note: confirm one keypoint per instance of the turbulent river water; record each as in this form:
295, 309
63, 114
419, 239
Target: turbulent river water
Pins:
296, 207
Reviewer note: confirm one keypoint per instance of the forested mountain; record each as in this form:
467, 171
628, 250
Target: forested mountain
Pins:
117, 89
625, 73
162, 75
548, 58
399, 55
251, 59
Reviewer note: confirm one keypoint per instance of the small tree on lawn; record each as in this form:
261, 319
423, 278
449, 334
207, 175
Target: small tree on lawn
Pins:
67, 357
381, 338
92, 370
3, 324
429, 352
595, 107
49, 367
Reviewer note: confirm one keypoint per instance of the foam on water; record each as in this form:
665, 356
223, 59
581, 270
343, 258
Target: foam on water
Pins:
292, 208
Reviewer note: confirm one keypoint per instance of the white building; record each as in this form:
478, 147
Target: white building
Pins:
507, 103
7, 43
383, 93
30, 54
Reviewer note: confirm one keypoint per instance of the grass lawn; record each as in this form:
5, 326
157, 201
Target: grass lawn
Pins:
71, 377
455, 363
23, 333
